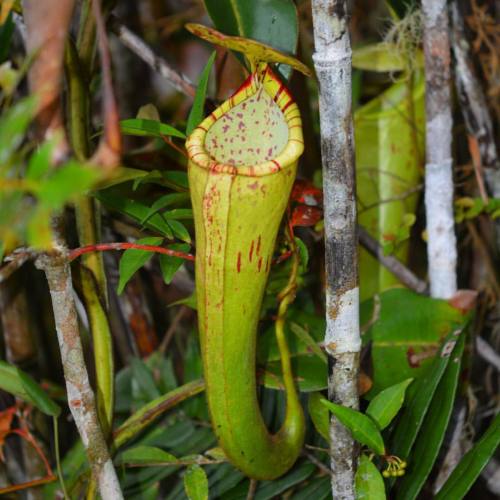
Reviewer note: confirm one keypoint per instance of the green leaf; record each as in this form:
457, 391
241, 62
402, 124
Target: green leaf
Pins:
303, 254
65, 183
386, 404
382, 57
6, 31
164, 202
179, 214
196, 114
135, 210
149, 128
179, 230
176, 178
189, 301
305, 337
132, 260
22, 385
432, 432
146, 455
406, 336
468, 469
388, 173
143, 377
319, 414
369, 483
13, 125
273, 22
363, 428
40, 161
169, 265
418, 404
196, 483
153, 409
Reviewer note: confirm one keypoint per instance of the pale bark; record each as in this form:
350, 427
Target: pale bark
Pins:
441, 241
81, 399
332, 61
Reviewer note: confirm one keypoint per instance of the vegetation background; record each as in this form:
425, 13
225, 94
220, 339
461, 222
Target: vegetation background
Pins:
96, 100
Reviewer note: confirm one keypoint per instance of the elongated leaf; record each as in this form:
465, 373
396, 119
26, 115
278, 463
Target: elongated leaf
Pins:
253, 50
433, 429
268, 490
6, 31
407, 335
179, 230
382, 57
362, 428
149, 128
164, 202
133, 260
19, 383
13, 125
149, 412
196, 114
179, 214
273, 22
135, 210
196, 483
169, 265
146, 455
369, 483
319, 414
304, 335
471, 465
386, 404
414, 413
144, 379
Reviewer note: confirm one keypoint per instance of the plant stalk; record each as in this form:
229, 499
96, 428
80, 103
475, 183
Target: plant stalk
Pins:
441, 240
93, 278
332, 61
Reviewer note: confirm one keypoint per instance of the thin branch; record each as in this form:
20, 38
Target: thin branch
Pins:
17, 261
102, 247
156, 63
473, 103
109, 149
441, 243
252, 488
169, 334
80, 395
332, 61
405, 275
487, 352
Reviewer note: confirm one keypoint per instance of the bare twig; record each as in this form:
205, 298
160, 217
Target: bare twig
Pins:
156, 63
252, 488
332, 61
17, 261
391, 263
470, 93
318, 463
487, 352
109, 149
172, 329
80, 395
441, 243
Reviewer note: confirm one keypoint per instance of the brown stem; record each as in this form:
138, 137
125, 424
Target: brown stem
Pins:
391, 263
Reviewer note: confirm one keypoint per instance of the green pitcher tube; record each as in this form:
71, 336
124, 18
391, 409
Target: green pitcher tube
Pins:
242, 165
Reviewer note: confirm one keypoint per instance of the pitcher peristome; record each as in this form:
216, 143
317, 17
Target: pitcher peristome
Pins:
242, 165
